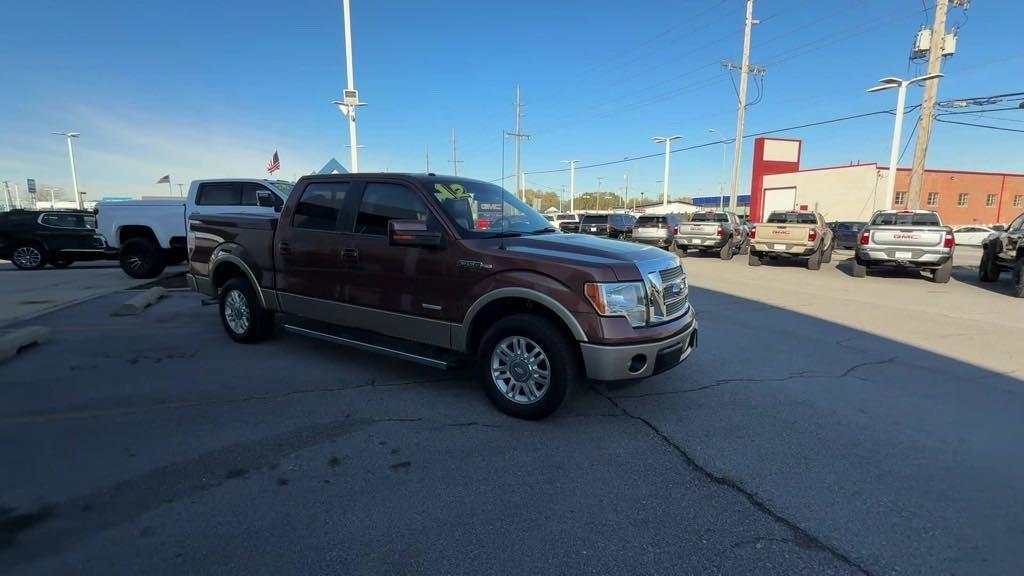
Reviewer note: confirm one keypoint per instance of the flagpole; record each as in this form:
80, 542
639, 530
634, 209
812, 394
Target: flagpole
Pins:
170, 187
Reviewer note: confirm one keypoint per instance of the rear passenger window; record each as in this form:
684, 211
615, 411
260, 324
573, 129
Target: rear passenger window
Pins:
249, 191
58, 220
218, 194
320, 206
383, 202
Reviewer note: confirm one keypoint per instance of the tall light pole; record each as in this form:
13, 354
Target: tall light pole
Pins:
721, 175
572, 184
901, 99
625, 185
599, 180
74, 172
741, 109
350, 101
668, 152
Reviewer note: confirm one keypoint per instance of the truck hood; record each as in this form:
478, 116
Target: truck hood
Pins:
585, 250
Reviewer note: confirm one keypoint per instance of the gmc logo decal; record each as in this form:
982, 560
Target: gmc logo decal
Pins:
906, 236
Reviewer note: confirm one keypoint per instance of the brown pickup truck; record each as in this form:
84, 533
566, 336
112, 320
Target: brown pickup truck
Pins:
437, 270
792, 234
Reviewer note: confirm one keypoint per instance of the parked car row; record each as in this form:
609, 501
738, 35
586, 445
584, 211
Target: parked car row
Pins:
33, 239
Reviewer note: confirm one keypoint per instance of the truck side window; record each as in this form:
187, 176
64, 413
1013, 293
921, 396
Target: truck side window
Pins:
249, 190
218, 194
383, 202
320, 206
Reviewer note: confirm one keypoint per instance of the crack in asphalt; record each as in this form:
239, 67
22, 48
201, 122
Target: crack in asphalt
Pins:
849, 371
128, 410
723, 381
802, 537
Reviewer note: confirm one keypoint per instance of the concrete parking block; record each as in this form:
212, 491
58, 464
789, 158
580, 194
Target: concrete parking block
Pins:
140, 302
13, 341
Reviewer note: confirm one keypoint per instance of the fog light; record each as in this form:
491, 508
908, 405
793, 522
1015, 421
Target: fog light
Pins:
637, 364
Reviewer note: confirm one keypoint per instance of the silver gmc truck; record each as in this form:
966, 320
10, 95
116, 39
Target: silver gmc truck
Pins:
720, 232
907, 238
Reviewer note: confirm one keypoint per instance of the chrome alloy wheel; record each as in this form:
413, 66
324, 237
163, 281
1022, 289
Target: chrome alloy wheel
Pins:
236, 312
27, 256
520, 369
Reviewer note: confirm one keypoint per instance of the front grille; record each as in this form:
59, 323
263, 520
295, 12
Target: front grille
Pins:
671, 301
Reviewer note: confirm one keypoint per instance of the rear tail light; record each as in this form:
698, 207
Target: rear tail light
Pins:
950, 240
812, 235
718, 232
865, 237
675, 229
753, 232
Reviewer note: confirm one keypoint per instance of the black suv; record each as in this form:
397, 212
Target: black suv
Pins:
618, 226
31, 239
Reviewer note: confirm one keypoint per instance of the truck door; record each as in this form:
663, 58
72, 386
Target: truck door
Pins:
386, 279
308, 248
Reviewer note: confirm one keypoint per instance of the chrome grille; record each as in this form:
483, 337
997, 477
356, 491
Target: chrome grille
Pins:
668, 294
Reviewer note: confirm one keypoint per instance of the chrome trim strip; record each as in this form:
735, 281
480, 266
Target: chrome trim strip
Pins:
459, 332
432, 362
415, 328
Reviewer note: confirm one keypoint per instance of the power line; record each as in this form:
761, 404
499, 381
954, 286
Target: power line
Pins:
939, 119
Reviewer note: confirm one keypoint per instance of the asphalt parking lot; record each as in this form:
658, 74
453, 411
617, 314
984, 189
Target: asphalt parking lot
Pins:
826, 425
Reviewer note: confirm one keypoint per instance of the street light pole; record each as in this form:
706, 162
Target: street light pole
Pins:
598, 207
901, 98
668, 151
74, 172
347, 105
572, 184
721, 175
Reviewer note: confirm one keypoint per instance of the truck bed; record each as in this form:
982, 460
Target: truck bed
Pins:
249, 237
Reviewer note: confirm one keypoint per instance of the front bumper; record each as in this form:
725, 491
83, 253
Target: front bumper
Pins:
701, 242
635, 361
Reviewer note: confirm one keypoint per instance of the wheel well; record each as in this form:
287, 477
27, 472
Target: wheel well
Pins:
502, 308
226, 271
126, 233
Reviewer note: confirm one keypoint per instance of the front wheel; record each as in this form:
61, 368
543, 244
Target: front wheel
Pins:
29, 257
726, 252
142, 258
244, 319
988, 270
528, 366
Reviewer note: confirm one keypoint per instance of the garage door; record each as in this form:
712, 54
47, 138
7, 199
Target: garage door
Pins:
779, 199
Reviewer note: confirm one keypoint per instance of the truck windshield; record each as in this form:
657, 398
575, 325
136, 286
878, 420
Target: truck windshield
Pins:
482, 210
792, 218
592, 219
705, 217
906, 219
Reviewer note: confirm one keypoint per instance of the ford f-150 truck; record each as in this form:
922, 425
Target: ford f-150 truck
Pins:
907, 238
792, 234
437, 270
720, 232
1004, 252
150, 234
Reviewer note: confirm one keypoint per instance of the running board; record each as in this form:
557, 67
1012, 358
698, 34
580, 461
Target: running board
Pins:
420, 354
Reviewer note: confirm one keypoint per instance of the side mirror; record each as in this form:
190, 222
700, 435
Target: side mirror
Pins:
413, 233
264, 199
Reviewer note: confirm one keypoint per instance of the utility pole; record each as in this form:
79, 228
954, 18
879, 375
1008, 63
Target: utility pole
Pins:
572, 184
426, 153
931, 90
455, 158
625, 197
599, 180
745, 69
518, 135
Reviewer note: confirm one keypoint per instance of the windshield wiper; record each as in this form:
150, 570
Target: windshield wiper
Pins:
544, 230
506, 234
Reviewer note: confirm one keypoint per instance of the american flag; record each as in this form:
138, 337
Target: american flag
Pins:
275, 164
164, 180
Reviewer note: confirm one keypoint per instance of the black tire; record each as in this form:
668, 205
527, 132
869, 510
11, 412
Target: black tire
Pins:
988, 270
1018, 278
142, 258
859, 269
942, 274
753, 259
244, 320
727, 251
562, 363
814, 261
745, 248
61, 263
29, 256
681, 251
827, 258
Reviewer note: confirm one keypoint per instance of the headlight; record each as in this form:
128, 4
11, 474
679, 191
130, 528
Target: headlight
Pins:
627, 299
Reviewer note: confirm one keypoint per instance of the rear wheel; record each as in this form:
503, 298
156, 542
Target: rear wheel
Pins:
29, 257
681, 251
814, 262
988, 270
244, 319
745, 248
942, 274
754, 259
142, 258
727, 251
527, 365
1018, 279
828, 254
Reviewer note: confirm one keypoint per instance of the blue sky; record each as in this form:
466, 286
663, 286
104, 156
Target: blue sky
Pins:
211, 88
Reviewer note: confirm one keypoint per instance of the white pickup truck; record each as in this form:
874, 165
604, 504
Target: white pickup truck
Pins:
906, 238
151, 234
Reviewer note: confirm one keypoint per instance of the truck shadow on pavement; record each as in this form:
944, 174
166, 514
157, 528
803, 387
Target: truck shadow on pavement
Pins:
803, 446
965, 274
